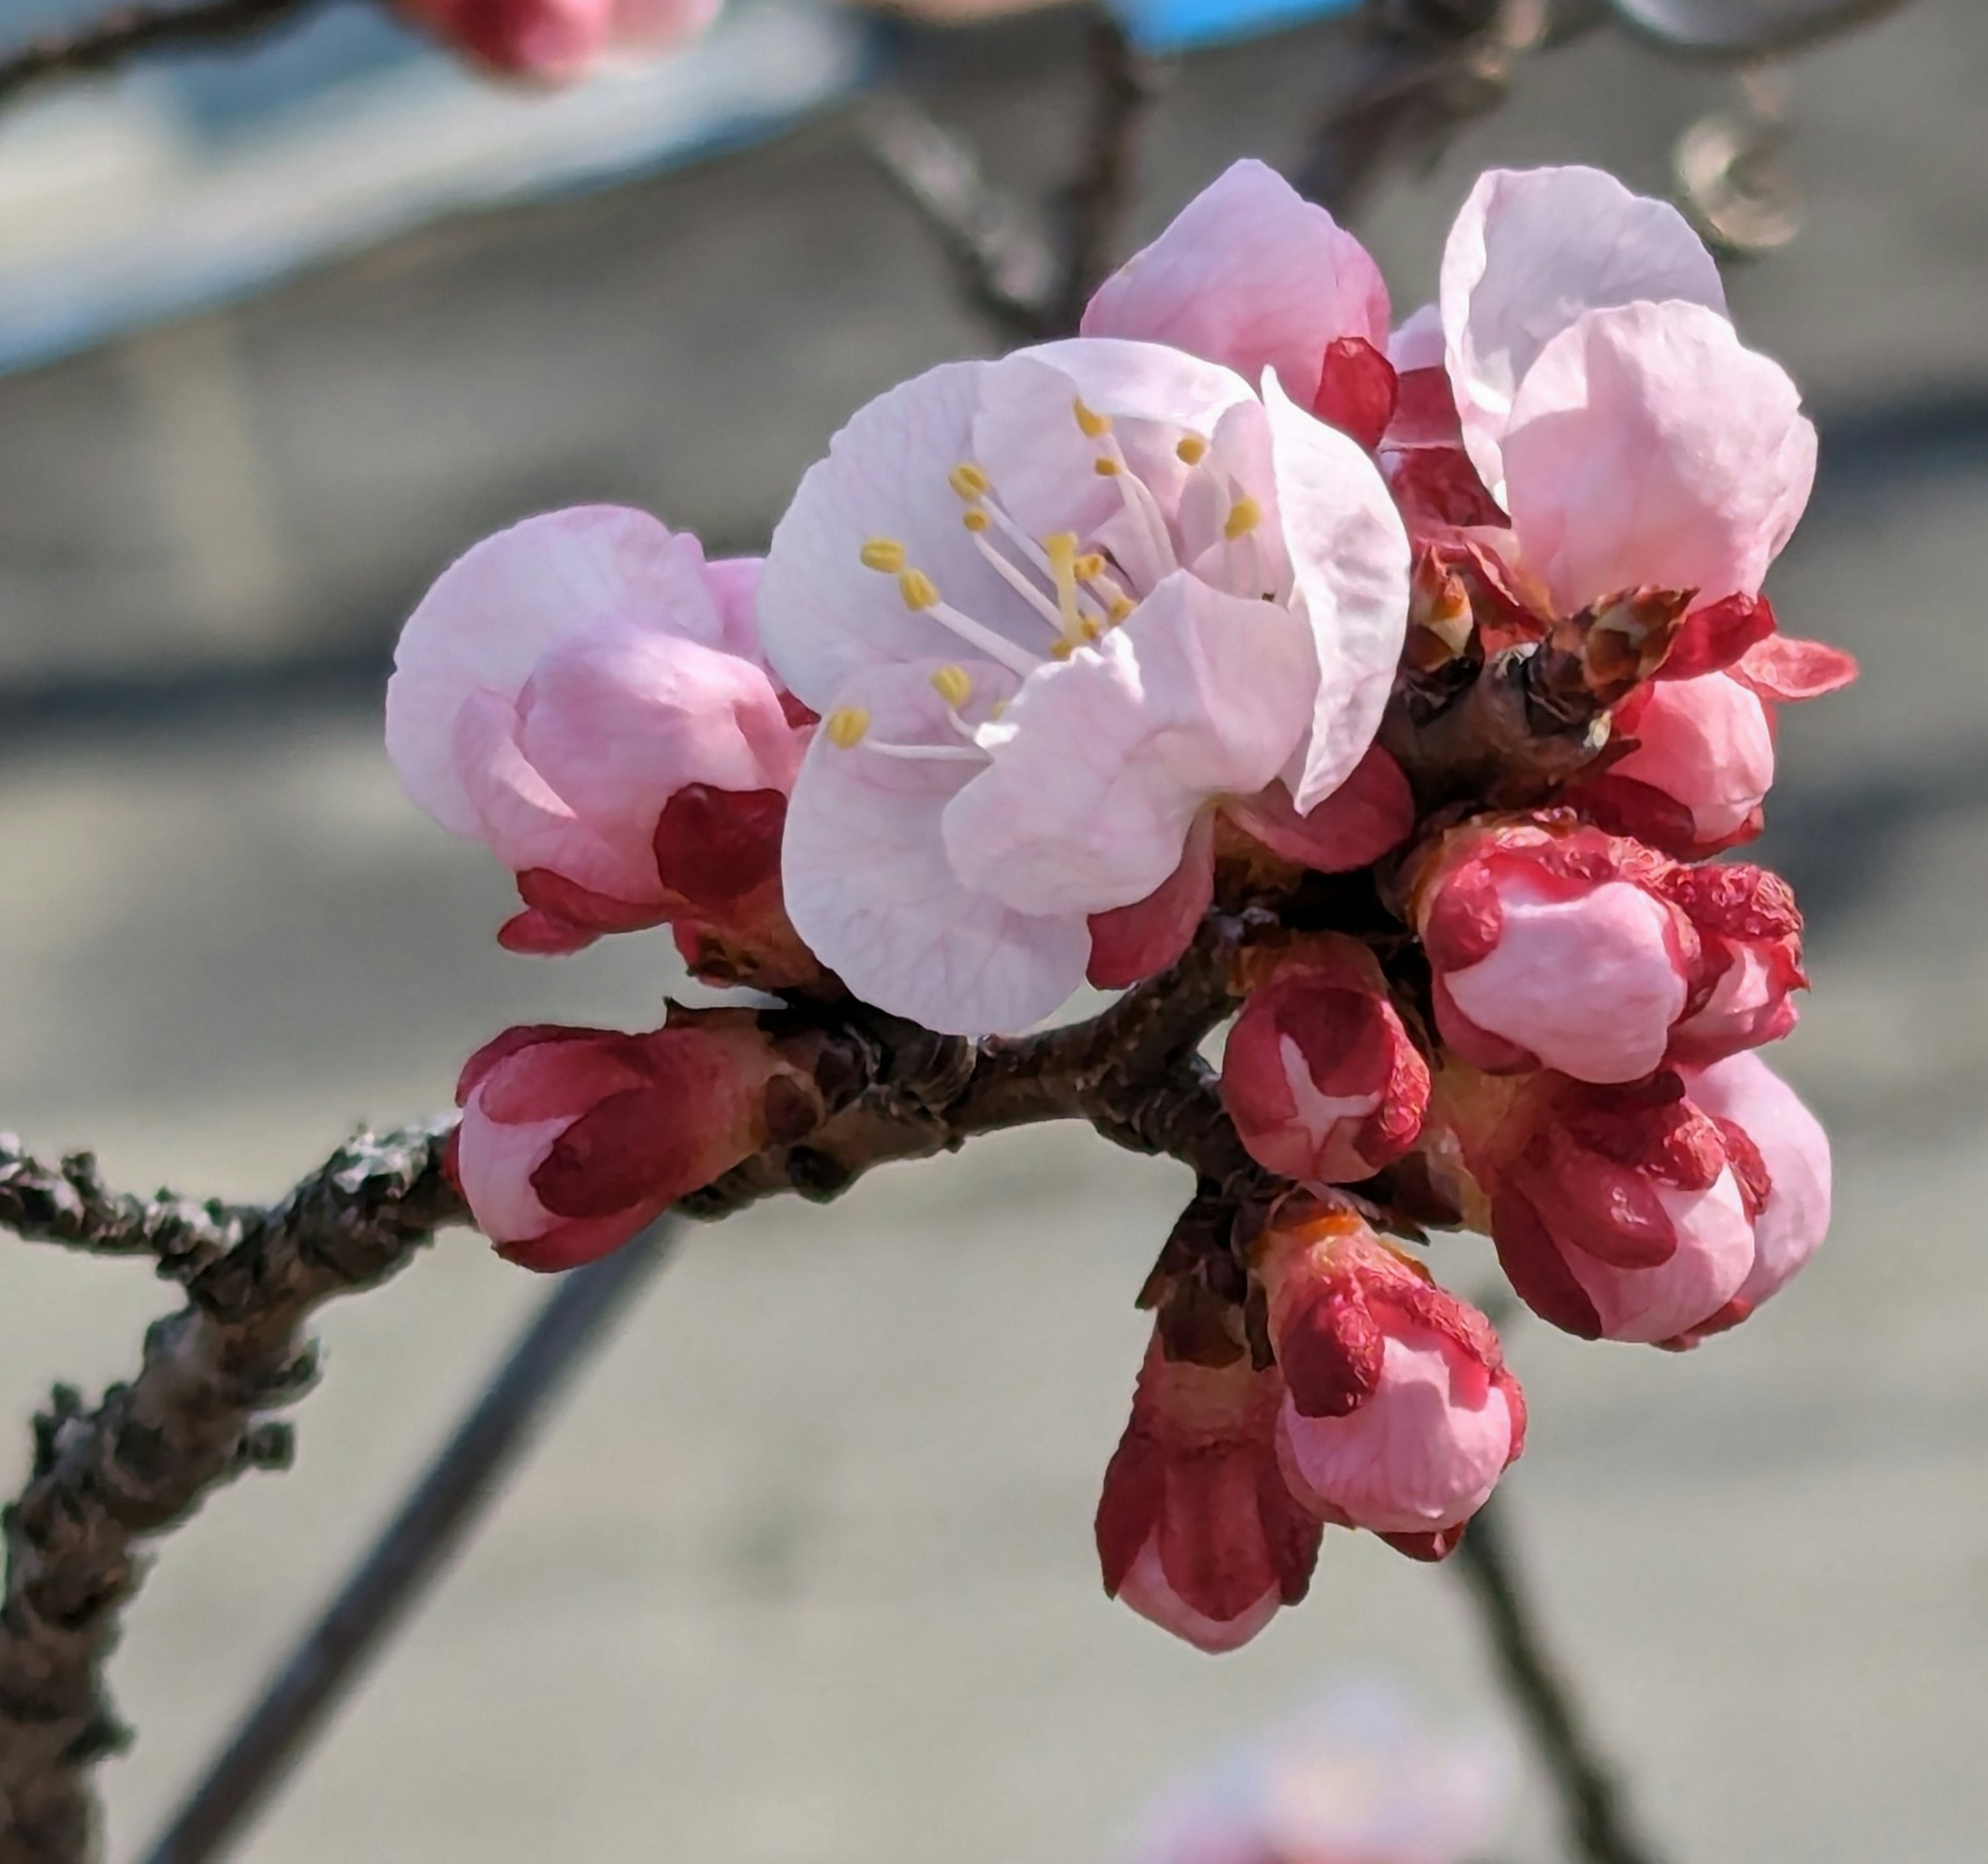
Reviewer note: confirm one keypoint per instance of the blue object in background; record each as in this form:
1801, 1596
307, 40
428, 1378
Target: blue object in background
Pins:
1173, 26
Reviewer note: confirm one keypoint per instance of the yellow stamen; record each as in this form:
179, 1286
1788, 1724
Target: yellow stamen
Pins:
1191, 451
1105, 469
1121, 607
1244, 515
845, 726
918, 588
1089, 631
1063, 650
1091, 564
1060, 548
968, 480
884, 553
954, 685
976, 520
999, 707
1094, 426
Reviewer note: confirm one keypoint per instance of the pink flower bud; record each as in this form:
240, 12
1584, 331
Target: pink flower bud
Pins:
1356, 390
1399, 1415
573, 1139
1195, 1529
1619, 1212
1552, 945
1788, 1185
555, 40
583, 694
1320, 1075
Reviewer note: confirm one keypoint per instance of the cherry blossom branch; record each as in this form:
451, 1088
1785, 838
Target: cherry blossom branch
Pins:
1598, 1822
67, 1203
108, 42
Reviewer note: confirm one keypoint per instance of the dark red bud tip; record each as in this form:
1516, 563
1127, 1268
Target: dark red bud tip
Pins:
1356, 390
1430, 1547
1331, 1354
714, 846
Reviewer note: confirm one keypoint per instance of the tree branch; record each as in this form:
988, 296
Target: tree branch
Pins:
108, 42
67, 1203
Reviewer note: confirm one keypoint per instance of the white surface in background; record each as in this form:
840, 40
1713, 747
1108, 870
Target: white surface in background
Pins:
111, 215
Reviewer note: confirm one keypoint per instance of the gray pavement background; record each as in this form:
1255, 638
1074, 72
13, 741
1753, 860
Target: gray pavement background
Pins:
801, 1575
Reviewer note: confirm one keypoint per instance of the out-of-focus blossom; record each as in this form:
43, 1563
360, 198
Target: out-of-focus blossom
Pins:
1622, 1213
557, 41
583, 693
1052, 610
1195, 1528
1399, 1415
1787, 1180
1355, 1779
573, 1139
1319, 1074
1552, 945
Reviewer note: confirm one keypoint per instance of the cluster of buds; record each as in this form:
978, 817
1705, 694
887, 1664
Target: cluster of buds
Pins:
1436, 656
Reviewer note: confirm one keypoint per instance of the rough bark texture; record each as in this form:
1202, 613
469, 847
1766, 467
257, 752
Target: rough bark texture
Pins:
195, 1415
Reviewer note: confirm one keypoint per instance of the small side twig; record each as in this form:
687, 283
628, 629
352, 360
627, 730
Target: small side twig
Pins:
67, 1203
105, 43
1600, 1827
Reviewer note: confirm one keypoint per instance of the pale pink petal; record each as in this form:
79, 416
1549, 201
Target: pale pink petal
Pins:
494, 1163
822, 615
1349, 556
1590, 984
1250, 274
1784, 668
734, 584
494, 612
1147, 1590
869, 887
1131, 942
1646, 447
1102, 762
524, 821
1707, 744
1795, 1150
618, 721
1418, 344
1531, 251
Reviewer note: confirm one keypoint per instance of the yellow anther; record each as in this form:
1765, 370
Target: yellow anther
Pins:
1063, 650
1090, 564
1191, 451
1060, 548
845, 726
1121, 607
968, 480
1094, 425
976, 520
918, 588
1089, 631
1105, 469
954, 685
1244, 515
999, 707
883, 553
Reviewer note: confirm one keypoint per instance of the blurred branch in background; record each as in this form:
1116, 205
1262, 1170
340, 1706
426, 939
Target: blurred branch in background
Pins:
119, 36
1027, 286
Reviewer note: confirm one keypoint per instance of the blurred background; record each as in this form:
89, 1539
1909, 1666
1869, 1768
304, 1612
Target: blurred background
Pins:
803, 1572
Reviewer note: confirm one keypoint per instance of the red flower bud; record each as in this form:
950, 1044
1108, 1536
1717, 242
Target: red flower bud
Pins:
1400, 1415
1619, 1212
1195, 1529
1553, 944
1320, 1075
573, 1139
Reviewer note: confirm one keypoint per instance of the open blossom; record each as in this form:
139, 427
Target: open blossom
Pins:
1788, 1184
1552, 945
556, 40
1320, 1074
1619, 1212
1195, 1529
1054, 610
583, 694
1399, 1416
573, 1139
